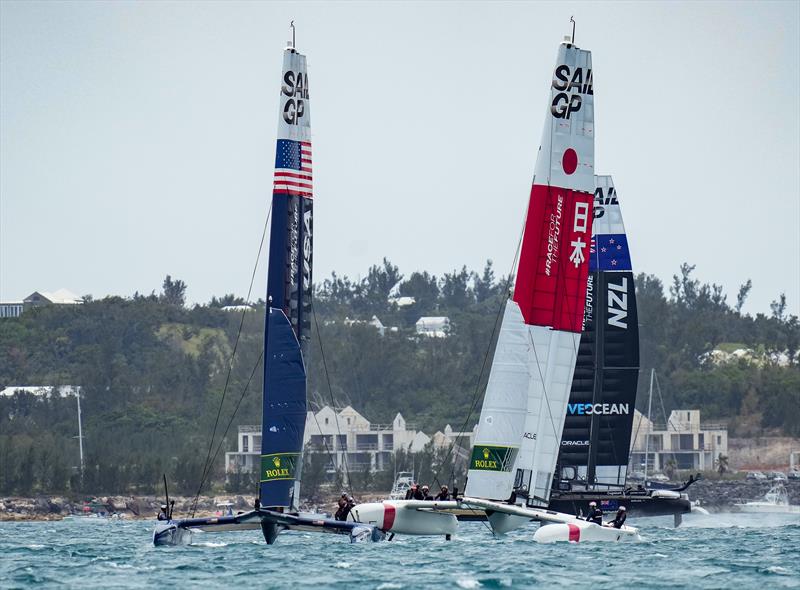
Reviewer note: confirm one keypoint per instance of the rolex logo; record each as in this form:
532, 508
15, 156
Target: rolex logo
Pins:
276, 461
486, 453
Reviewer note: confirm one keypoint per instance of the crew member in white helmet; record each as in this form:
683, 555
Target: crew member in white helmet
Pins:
619, 520
595, 514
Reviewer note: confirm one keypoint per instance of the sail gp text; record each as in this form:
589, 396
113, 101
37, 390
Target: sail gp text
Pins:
295, 86
571, 84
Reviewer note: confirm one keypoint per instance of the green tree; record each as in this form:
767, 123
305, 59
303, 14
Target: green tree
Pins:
173, 292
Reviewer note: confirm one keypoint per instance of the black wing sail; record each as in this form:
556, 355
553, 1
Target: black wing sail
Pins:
595, 442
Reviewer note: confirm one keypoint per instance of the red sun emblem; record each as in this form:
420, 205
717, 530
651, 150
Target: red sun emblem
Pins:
569, 162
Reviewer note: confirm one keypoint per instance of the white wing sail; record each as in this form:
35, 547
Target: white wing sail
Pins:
518, 435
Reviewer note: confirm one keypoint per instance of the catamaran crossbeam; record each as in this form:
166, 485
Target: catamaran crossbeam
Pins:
181, 532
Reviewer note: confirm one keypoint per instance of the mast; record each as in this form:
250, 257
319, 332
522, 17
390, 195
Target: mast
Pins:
649, 424
526, 397
287, 324
80, 428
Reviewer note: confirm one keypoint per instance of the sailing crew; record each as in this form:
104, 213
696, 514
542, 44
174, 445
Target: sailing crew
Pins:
417, 493
342, 510
619, 520
443, 495
426, 493
410, 491
595, 514
162, 515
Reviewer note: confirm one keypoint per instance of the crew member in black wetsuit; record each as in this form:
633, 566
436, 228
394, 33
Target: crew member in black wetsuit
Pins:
163, 515
443, 495
619, 520
595, 514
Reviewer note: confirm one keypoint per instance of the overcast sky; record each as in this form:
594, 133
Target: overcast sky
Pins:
138, 139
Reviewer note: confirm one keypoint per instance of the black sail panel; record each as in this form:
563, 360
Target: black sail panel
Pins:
595, 442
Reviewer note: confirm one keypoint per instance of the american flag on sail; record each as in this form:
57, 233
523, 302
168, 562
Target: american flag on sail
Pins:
293, 168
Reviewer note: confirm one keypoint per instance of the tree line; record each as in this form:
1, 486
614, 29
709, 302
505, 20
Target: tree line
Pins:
153, 371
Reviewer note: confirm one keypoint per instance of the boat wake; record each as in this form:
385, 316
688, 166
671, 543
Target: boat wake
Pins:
723, 520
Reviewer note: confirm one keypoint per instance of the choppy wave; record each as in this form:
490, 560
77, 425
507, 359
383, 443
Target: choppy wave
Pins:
716, 551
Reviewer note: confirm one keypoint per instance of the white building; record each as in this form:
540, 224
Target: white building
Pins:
461, 441
374, 322
41, 391
684, 439
11, 309
345, 436
433, 326
14, 309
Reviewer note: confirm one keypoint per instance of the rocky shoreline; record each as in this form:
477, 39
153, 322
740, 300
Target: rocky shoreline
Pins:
716, 496
129, 507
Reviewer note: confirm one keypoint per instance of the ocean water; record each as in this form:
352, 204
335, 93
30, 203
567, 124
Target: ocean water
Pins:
717, 551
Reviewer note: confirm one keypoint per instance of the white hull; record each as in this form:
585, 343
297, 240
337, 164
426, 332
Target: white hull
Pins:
582, 531
407, 517
557, 526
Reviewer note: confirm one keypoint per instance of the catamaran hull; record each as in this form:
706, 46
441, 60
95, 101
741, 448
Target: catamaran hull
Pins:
407, 517
170, 533
655, 504
180, 532
507, 517
583, 532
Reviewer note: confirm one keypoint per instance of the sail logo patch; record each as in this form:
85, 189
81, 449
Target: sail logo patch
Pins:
580, 225
602, 198
588, 310
492, 458
618, 304
610, 252
603, 409
295, 86
307, 249
278, 466
571, 84
553, 234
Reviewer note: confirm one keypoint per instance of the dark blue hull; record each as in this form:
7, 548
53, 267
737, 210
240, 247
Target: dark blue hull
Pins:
180, 532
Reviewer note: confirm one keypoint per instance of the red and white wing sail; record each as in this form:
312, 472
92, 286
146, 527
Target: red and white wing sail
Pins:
518, 435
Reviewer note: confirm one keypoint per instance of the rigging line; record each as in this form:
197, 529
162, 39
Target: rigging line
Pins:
227, 427
667, 422
544, 389
207, 464
325, 442
503, 300
330, 390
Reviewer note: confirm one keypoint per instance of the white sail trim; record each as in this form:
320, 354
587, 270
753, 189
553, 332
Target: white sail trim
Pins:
553, 355
576, 131
502, 418
294, 114
610, 222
